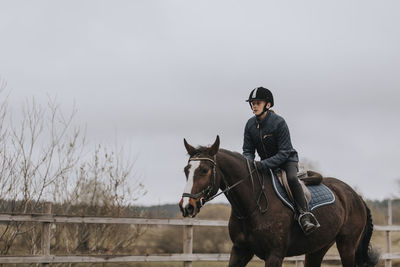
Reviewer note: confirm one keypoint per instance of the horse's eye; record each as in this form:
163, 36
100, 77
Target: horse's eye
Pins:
204, 170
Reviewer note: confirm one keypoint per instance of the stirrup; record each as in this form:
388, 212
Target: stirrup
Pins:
313, 221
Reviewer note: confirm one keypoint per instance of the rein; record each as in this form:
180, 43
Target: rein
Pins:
261, 194
208, 191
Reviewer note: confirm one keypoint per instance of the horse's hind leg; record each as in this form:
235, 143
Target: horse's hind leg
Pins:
314, 259
347, 250
240, 256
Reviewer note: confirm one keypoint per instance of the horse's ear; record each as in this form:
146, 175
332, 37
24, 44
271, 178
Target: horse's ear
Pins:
191, 150
214, 148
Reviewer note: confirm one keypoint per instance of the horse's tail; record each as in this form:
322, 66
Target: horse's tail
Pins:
366, 255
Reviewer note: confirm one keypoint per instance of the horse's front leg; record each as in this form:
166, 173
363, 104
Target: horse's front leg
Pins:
273, 261
240, 256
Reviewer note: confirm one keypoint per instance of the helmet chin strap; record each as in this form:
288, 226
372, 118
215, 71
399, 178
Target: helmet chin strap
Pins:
259, 116
264, 111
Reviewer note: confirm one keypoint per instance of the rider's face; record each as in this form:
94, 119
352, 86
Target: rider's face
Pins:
258, 106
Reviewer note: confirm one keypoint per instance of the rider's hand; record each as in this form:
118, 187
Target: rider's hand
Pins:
258, 165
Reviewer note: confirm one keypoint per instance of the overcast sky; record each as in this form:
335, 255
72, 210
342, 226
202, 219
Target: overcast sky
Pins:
149, 73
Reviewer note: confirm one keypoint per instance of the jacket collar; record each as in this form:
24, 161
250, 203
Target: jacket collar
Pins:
264, 121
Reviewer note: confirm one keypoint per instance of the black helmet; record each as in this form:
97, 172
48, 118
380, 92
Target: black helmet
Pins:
261, 93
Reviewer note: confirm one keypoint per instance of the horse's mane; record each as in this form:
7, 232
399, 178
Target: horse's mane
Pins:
203, 149
232, 153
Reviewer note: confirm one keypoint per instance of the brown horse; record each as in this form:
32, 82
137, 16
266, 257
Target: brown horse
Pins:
260, 224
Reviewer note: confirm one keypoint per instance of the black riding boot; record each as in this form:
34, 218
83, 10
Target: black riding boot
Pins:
306, 219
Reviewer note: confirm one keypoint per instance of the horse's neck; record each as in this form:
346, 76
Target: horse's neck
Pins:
244, 195
233, 169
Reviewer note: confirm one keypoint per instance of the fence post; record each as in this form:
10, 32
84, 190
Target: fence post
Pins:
388, 262
187, 243
45, 238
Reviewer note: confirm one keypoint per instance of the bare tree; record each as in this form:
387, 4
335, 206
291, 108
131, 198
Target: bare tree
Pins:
100, 187
43, 156
36, 152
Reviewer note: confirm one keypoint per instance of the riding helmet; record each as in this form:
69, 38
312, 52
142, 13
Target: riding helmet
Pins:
261, 93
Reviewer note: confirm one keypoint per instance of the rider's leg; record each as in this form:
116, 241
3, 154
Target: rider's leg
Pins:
295, 186
306, 220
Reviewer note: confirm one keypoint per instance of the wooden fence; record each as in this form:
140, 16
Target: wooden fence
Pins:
46, 219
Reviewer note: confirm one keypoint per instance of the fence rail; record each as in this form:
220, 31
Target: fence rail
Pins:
187, 257
152, 258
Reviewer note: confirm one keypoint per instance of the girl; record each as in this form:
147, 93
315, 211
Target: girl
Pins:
268, 134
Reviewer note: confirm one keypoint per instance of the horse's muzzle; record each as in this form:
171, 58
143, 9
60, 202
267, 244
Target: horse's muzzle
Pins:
190, 209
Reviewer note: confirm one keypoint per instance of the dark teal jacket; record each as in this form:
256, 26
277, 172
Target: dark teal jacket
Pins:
271, 139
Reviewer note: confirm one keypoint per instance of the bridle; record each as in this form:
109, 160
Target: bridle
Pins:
207, 192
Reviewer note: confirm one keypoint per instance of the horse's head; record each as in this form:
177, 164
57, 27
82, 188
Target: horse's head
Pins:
201, 179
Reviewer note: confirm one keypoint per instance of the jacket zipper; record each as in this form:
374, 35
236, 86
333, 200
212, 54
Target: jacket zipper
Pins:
262, 143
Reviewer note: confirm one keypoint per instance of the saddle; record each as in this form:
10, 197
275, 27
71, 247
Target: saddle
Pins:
306, 178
